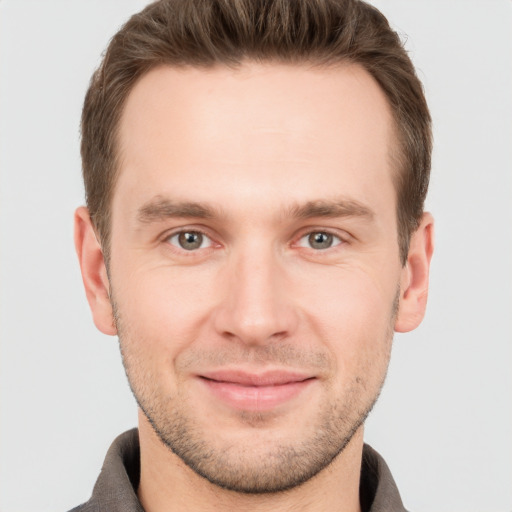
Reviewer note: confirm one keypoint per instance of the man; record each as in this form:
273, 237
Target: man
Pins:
255, 174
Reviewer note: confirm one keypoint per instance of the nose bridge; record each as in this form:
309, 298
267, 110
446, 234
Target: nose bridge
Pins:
255, 307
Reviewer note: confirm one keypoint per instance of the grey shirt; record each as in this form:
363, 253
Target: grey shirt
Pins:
116, 487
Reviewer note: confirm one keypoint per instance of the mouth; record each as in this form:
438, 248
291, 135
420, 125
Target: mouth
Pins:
248, 391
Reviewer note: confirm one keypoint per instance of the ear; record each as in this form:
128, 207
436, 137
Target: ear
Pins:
94, 272
414, 279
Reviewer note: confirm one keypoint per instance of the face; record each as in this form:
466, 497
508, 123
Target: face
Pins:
254, 270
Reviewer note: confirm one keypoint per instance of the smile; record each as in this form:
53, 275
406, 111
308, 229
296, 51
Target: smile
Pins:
256, 392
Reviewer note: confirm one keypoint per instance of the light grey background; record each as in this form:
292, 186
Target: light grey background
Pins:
444, 422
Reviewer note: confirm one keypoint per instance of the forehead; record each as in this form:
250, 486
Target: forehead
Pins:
293, 130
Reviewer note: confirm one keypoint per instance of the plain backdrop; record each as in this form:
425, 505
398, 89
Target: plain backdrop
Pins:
444, 421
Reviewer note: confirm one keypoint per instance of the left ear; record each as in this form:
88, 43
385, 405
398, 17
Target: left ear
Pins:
414, 279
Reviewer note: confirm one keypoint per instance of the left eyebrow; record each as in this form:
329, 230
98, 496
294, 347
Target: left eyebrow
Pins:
336, 208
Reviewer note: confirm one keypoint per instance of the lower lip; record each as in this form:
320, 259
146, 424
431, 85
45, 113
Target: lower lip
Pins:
256, 398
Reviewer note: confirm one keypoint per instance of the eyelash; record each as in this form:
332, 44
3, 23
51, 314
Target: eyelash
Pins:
339, 240
189, 252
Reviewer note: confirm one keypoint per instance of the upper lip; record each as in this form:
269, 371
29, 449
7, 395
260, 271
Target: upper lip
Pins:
247, 378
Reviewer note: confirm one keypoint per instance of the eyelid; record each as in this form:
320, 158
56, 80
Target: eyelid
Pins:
342, 236
205, 240
165, 238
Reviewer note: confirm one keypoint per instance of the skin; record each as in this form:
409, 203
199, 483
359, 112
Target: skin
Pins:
256, 160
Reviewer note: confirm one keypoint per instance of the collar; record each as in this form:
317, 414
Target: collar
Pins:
115, 489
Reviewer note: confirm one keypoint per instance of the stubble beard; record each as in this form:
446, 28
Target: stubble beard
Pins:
245, 468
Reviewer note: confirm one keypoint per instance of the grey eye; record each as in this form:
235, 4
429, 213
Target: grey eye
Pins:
319, 240
190, 240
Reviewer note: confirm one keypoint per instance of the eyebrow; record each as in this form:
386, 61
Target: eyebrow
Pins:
160, 208
331, 208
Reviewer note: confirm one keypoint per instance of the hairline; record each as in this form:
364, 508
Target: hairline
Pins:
396, 152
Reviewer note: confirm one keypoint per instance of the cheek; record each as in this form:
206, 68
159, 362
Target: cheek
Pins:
161, 306
159, 317
353, 314
349, 298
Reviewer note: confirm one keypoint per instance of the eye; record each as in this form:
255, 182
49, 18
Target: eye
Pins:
190, 240
319, 240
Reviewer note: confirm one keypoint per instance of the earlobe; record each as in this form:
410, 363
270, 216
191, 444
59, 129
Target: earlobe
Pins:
94, 272
415, 277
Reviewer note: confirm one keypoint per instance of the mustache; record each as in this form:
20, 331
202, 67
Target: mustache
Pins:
281, 354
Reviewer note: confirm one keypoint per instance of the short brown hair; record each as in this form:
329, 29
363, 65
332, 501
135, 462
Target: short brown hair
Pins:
205, 33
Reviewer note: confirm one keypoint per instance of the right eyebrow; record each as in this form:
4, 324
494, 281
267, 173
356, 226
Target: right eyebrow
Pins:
160, 208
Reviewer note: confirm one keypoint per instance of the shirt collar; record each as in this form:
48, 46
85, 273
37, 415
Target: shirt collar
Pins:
115, 489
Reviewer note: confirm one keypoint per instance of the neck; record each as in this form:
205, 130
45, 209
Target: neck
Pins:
168, 485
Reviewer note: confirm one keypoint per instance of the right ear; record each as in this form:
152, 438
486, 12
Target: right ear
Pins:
94, 272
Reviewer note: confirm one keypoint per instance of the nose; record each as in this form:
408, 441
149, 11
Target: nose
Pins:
256, 304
